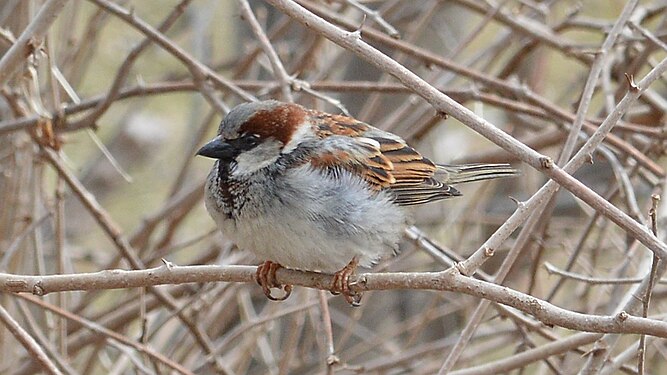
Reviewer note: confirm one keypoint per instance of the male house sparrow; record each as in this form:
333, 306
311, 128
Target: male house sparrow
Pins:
314, 191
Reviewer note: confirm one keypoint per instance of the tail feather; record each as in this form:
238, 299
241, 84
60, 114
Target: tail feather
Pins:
462, 173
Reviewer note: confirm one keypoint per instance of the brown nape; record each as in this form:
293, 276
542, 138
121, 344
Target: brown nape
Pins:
279, 122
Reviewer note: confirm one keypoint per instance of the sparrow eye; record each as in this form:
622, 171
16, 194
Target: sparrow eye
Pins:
248, 141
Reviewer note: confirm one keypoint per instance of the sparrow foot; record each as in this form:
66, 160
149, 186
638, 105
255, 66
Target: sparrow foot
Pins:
341, 283
266, 278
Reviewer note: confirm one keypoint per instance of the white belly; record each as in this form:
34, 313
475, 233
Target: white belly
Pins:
316, 227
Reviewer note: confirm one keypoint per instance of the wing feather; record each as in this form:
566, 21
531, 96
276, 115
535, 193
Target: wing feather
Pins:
387, 163
382, 159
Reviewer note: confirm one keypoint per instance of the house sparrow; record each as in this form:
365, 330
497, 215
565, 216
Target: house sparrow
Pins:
315, 191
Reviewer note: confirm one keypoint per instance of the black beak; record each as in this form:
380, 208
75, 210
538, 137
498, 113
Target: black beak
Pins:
217, 149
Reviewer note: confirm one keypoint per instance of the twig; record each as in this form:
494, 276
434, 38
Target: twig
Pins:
535, 30
646, 299
16, 243
107, 333
376, 17
629, 302
30, 39
195, 66
591, 81
28, 342
125, 68
648, 35
332, 359
529, 356
42, 340
593, 280
278, 68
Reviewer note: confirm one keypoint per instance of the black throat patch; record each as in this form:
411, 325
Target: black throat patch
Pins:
233, 192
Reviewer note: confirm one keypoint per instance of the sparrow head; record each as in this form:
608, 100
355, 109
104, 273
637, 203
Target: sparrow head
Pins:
254, 135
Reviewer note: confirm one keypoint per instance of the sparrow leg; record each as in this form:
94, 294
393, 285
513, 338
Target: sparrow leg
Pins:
341, 283
266, 278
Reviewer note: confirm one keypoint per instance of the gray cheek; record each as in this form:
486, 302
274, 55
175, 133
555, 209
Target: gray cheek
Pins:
262, 156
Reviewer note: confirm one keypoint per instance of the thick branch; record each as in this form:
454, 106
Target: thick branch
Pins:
449, 280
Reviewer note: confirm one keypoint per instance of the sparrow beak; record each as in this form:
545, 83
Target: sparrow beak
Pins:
217, 149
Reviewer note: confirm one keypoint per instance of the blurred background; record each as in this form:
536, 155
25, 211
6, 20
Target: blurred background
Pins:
125, 92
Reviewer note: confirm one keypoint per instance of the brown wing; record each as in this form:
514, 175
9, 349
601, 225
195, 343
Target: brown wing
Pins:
385, 161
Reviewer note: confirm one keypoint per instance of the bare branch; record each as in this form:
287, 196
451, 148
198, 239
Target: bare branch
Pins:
442, 281
30, 39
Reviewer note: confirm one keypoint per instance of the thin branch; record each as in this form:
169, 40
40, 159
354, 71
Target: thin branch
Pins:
126, 66
593, 280
278, 68
28, 342
646, 299
376, 17
449, 280
42, 340
30, 39
158, 38
591, 81
108, 333
527, 357
332, 359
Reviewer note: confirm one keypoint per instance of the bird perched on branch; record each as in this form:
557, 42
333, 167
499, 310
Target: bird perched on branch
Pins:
316, 191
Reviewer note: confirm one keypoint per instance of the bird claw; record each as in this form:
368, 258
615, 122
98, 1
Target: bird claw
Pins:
266, 278
341, 284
